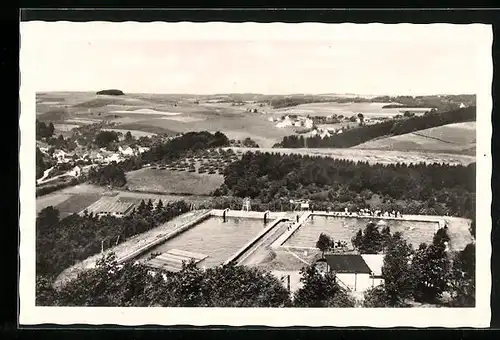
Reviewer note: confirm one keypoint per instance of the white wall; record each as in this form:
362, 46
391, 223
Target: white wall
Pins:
356, 282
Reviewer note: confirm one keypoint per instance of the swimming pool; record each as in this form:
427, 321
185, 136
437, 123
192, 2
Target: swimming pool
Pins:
215, 238
344, 228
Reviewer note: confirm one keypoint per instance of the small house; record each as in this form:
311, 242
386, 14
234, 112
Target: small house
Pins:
128, 151
352, 271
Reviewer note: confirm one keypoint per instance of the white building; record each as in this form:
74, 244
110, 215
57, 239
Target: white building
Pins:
128, 151
76, 172
284, 123
59, 155
462, 105
309, 123
114, 158
352, 271
297, 124
142, 149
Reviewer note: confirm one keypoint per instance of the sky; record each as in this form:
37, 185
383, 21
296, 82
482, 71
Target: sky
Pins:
375, 59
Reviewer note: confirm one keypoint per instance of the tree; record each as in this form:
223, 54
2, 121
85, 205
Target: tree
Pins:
45, 294
318, 290
159, 206
149, 205
396, 270
368, 241
104, 138
128, 136
472, 228
430, 268
463, 277
324, 243
376, 297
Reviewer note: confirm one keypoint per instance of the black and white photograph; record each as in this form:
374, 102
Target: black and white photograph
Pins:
255, 174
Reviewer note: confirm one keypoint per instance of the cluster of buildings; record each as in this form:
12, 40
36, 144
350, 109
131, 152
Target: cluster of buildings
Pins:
325, 132
101, 156
298, 121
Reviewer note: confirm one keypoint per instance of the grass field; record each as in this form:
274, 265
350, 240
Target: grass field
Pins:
382, 156
76, 199
347, 109
177, 182
452, 138
52, 199
76, 203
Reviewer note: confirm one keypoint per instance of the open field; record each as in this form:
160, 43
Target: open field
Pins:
52, 199
76, 203
168, 181
347, 109
382, 156
75, 199
452, 138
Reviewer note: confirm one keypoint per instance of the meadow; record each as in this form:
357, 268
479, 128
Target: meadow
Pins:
173, 182
368, 109
457, 138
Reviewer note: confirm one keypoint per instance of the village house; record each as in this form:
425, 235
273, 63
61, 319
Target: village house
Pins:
128, 151
308, 123
76, 172
352, 271
142, 149
285, 123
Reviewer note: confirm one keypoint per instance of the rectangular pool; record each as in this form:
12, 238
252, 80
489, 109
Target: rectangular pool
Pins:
215, 238
344, 228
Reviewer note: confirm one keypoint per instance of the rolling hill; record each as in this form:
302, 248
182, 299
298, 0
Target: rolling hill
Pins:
459, 138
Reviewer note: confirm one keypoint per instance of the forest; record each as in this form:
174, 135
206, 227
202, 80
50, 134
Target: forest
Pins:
392, 127
62, 242
191, 141
273, 179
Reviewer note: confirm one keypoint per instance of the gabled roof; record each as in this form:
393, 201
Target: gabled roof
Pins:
347, 263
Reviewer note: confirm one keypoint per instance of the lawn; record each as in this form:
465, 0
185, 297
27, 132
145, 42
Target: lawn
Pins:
457, 138
52, 199
173, 182
76, 203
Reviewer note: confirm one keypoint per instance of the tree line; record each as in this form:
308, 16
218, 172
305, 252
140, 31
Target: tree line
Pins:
440, 103
133, 285
191, 141
273, 179
392, 127
62, 242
